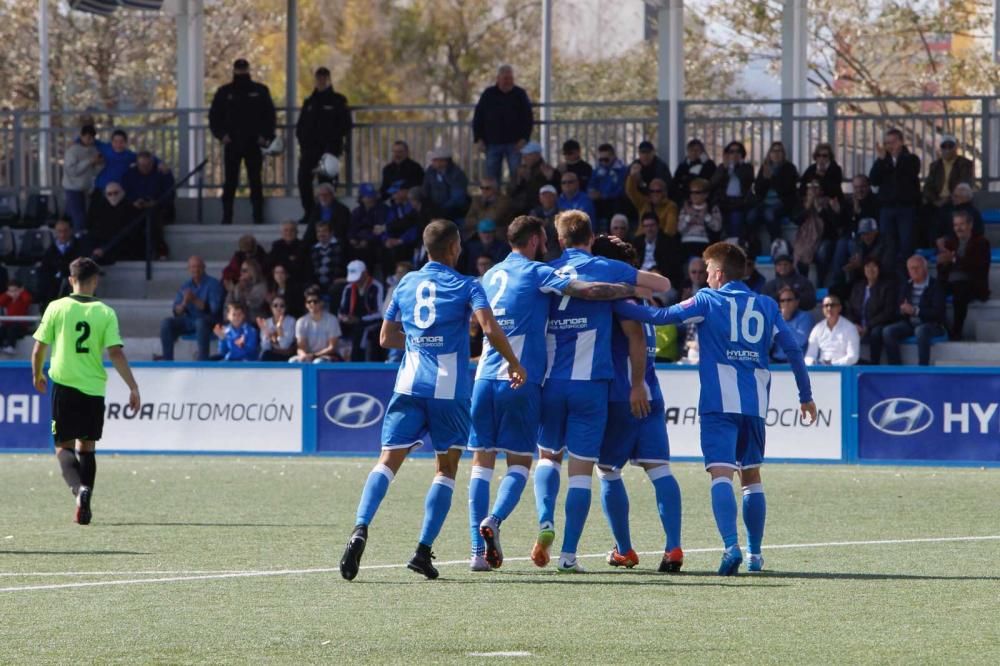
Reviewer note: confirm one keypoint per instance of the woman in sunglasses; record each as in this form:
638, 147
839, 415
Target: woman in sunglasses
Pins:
277, 333
826, 170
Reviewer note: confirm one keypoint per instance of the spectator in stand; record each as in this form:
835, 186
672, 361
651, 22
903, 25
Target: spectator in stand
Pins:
945, 174
699, 222
360, 312
873, 306
799, 323
367, 224
317, 333
109, 216
696, 164
246, 248
573, 162
697, 278
651, 168
14, 302
963, 266
655, 249
817, 221
291, 252
785, 275
54, 269
833, 341
148, 186
484, 242
531, 176
197, 308
483, 264
116, 158
277, 332
250, 290
835, 245
242, 117
753, 278
446, 186
619, 227
281, 284
961, 200
869, 243
574, 198
775, 191
401, 168
327, 209
402, 268
491, 204
81, 164
238, 339
323, 126
922, 313
546, 210
825, 170
329, 263
653, 198
731, 189
402, 228
896, 174
606, 186
863, 204
502, 124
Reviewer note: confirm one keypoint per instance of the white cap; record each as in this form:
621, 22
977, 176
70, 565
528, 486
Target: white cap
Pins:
354, 270
547, 189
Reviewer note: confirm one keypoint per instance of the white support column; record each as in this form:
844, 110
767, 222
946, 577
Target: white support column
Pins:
670, 78
991, 152
191, 83
44, 95
291, 90
794, 71
545, 85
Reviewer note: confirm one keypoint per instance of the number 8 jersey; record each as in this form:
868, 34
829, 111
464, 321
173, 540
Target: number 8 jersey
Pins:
434, 305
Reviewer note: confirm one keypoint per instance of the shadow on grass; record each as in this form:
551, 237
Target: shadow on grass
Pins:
180, 524
833, 575
72, 552
635, 579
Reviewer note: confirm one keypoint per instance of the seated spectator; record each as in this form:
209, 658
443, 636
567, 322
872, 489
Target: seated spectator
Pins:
403, 225
699, 223
697, 278
284, 286
484, 243
619, 227
14, 302
657, 250
367, 224
573, 198
573, 162
731, 189
329, 262
785, 275
546, 211
291, 252
237, 339
250, 290
327, 209
316, 333
402, 268
360, 312
963, 266
696, 164
109, 216
834, 340
531, 176
116, 158
654, 199
921, 310
862, 204
148, 186
754, 279
799, 323
81, 164
277, 332
483, 264
869, 243
945, 174
446, 187
826, 171
490, 204
197, 308
246, 248
818, 222
401, 168
606, 186
961, 199
54, 269
650, 168
775, 191
873, 306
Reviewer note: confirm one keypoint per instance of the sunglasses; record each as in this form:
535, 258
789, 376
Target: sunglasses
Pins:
831, 305
821, 155
698, 192
604, 160
277, 305
569, 182
114, 193
312, 301
734, 152
786, 300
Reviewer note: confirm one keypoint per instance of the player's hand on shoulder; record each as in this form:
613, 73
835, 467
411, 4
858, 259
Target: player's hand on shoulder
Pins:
808, 408
518, 375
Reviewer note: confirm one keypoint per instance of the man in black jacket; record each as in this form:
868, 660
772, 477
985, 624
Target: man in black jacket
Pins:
922, 312
323, 126
502, 123
54, 269
657, 251
242, 117
401, 168
896, 174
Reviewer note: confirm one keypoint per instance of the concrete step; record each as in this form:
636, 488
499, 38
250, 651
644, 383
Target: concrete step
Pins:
139, 347
276, 209
140, 317
216, 242
985, 330
127, 279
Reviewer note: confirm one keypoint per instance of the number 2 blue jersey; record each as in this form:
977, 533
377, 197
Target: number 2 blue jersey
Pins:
579, 332
621, 385
519, 291
434, 304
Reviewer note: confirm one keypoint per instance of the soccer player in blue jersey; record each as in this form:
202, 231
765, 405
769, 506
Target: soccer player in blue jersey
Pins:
735, 330
575, 394
429, 318
505, 420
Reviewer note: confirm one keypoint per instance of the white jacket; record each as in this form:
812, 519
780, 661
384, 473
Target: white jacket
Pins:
78, 171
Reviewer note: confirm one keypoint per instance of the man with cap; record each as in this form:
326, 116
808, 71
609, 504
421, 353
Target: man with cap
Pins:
606, 186
573, 162
946, 173
485, 242
575, 198
323, 126
533, 174
80, 327
242, 117
651, 167
785, 275
446, 187
360, 311
502, 123
867, 244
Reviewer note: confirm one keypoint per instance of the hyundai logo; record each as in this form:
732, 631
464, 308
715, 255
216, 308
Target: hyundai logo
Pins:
354, 410
900, 416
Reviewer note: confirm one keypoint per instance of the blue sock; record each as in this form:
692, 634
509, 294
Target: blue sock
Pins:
668, 504
724, 508
436, 507
754, 513
479, 504
371, 497
577, 508
546, 491
509, 493
614, 499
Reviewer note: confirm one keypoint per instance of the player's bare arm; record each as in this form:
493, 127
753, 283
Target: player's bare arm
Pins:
497, 338
37, 370
652, 281
599, 291
391, 336
117, 357
637, 357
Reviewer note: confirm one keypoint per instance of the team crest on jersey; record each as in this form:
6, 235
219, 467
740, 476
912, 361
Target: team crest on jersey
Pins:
688, 303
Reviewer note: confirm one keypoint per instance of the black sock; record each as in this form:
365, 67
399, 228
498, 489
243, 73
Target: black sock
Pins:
88, 468
423, 550
70, 468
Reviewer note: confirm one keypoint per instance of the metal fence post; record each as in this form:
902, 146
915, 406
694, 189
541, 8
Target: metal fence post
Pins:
787, 125
682, 138
184, 163
18, 175
663, 146
831, 124
986, 166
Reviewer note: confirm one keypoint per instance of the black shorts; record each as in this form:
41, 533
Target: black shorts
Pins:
76, 415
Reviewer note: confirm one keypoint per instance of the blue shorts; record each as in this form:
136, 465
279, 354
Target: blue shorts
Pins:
574, 414
627, 438
408, 419
732, 440
505, 419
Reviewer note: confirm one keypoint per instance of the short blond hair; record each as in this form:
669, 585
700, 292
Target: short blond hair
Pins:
573, 228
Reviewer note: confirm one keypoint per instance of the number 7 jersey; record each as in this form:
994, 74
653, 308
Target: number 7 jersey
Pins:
434, 305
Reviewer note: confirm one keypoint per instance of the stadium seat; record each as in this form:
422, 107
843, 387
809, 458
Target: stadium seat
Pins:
928, 253
34, 243
31, 278
10, 208
765, 260
822, 293
991, 216
995, 255
39, 210
912, 340
8, 245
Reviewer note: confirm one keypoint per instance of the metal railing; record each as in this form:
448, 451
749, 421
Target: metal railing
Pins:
31, 156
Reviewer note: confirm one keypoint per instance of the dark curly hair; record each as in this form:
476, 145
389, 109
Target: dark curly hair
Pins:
604, 247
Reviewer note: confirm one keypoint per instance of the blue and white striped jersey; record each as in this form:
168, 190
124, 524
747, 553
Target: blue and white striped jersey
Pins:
579, 332
434, 304
621, 385
519, 291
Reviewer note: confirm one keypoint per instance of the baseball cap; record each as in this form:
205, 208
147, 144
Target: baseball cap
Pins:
646, 147
547, 189
84, 268
366, 190
241, 63
322, 71
441, 153
486, 226
867, 224
531, 147
948, 139
571, 145
354, 270
782, 257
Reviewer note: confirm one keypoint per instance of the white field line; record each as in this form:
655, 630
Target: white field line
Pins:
295, 572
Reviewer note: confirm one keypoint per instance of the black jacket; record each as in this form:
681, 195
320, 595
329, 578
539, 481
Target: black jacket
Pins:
656, 169
882, 305
831, 183
683, 177
408, 171
324, 123
931, 306
294, 256
242, 109
667, 255
898, 184
339, 222
502, 117
720, 182
783, 180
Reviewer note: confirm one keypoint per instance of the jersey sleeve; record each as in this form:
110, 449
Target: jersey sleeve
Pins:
690, 311
392, 310
622, 272
112, 334
45, 333
549, 281
477, 296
